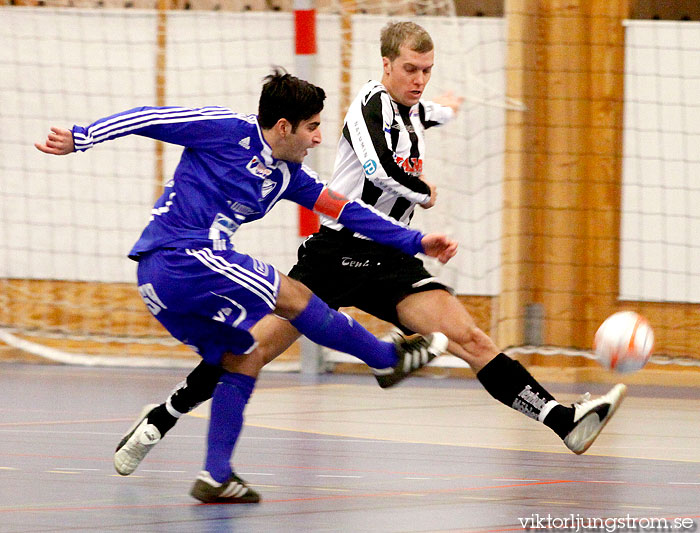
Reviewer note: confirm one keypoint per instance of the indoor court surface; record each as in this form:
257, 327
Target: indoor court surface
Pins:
336, 453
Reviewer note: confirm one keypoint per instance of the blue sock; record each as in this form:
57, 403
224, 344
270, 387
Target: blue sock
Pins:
327, 327
226, 421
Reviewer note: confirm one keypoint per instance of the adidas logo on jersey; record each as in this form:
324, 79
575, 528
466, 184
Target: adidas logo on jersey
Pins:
245, 143
267, 187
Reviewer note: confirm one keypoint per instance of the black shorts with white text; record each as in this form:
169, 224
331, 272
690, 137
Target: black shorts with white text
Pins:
345, 271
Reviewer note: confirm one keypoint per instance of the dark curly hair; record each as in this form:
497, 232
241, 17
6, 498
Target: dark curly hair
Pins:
285, 96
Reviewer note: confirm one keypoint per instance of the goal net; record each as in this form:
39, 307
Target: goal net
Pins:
66, 287
67, 290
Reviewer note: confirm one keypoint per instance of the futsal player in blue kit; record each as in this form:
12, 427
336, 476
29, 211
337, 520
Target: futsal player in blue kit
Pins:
233, 169
380, 160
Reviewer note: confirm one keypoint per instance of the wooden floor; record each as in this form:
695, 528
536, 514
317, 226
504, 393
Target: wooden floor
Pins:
336, 453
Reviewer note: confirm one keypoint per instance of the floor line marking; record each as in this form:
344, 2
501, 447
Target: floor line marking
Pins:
79, 469
164, 471
477, 446
285, 500
643, 507
63, 422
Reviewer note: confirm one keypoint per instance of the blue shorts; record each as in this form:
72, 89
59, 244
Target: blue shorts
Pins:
208, 299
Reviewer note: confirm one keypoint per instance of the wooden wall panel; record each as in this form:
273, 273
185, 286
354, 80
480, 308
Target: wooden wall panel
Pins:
566, 162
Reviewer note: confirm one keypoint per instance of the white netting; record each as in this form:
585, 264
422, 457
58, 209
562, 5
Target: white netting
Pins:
660, 221
68, 222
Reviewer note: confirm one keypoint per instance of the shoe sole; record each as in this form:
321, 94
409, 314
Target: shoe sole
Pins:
144, 411
613, 408
228, 501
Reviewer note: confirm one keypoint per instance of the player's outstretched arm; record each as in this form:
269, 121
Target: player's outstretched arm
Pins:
58, 142
202, 127
451, 100
440, 246
369, 222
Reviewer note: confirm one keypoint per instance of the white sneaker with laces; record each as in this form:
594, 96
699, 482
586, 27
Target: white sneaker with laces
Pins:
136, 443
591, 416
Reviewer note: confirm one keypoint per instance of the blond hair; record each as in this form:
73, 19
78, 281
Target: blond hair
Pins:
396, 34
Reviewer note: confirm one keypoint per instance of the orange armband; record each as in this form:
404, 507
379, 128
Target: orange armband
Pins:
330, 203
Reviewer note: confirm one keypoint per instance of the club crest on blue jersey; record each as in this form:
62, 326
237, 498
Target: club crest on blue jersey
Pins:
370, 167
257, 168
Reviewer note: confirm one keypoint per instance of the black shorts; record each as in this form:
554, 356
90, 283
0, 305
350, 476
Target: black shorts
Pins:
345, 271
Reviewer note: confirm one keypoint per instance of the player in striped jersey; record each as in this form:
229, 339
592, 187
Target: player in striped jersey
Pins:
379, 161
208, 295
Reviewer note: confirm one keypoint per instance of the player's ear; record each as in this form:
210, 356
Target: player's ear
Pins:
387, 64
284, 127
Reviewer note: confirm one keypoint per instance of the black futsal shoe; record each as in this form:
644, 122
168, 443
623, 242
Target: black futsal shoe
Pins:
414, 353
234, 490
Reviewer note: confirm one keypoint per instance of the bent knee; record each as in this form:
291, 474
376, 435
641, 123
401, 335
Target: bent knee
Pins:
249, 364
292, 299
479, 347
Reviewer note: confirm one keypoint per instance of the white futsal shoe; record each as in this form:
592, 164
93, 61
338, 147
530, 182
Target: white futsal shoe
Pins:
136, 443
590, 417
414, 353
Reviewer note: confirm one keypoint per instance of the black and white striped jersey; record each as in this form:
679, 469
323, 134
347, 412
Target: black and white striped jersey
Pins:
380, 153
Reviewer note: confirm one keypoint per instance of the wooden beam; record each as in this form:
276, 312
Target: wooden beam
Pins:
160, 80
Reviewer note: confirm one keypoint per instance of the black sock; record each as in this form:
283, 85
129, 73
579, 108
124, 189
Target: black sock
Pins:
160, 418
560, 420
198, 387
511, 384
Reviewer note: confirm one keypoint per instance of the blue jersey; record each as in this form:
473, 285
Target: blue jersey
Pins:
226, 177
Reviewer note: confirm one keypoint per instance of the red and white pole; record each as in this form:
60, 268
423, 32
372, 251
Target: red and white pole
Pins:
311, 356
305, 37
305, 55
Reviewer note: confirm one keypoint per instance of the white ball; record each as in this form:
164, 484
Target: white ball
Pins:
624, 342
